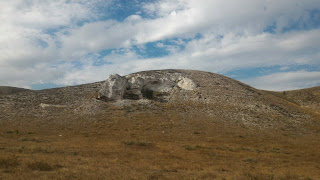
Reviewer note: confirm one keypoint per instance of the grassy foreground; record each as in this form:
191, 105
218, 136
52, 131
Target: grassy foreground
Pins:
153, 146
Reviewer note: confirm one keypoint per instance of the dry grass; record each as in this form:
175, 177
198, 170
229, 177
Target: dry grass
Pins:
154, 145
138, 143
42, 166
9, 162
223, 130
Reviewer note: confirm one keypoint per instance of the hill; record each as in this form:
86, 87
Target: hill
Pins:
5, 90
167, 124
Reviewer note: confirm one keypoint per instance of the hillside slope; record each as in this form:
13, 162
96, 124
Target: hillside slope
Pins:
168, 124
307, 98
5, 90
217, 97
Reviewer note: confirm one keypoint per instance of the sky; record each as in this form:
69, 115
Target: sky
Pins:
268, 44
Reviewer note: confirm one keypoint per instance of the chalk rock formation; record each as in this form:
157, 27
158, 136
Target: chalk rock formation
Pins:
187, 84
147, 85
113, 88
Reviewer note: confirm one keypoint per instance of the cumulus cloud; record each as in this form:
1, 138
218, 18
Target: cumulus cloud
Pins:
195, 17
286, 80
189, 18
63, 39
44, 14
27, 47
221, 56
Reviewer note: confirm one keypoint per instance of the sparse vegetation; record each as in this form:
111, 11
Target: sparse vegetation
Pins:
138, 143
42, 166
250, 160
190, 148
121, 144
234, 133
212, 154
9, 162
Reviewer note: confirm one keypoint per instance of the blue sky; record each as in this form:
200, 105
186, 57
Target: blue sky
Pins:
272, 45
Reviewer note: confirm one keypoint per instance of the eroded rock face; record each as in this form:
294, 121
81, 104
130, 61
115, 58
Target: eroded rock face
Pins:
156, 86
187, 84
113, 88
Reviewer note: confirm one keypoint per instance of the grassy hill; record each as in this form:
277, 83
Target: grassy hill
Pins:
224, 129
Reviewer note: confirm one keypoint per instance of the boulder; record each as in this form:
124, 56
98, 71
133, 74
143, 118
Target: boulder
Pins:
186, 84
113, 88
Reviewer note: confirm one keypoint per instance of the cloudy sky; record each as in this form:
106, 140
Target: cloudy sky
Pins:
268, 44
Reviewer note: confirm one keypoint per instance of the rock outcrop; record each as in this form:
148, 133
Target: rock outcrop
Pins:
188, 93
156, 86
113, 88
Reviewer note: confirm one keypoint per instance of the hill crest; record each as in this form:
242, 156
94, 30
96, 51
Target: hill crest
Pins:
209, 95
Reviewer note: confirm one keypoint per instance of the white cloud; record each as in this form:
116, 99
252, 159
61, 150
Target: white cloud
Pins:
208, 53
286, 80
190, 17
232, 37
216, 55
256, 51
26, 50
94, 37
24, 77
40, 14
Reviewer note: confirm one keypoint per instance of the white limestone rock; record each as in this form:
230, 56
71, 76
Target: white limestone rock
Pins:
113, 88
186, 84
155, 86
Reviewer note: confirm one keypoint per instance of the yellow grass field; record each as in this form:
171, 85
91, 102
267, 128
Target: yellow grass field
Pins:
153, 146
